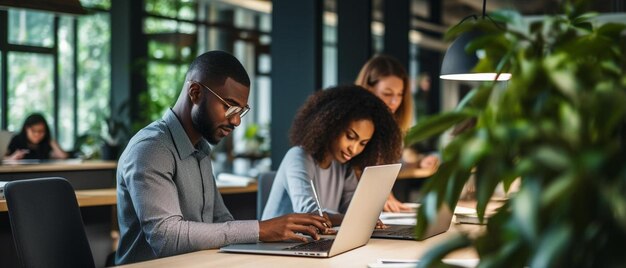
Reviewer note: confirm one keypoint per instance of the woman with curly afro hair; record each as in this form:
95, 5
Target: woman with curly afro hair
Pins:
335, 132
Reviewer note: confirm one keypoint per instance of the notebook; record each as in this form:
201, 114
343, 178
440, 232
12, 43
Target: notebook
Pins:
407, 232
356, 228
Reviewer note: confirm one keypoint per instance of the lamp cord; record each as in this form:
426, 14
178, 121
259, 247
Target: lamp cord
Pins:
483, 17
484, 8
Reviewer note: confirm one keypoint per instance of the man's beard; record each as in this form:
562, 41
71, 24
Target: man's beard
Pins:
203, 124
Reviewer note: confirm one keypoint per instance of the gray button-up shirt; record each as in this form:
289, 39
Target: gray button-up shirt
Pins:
167, 200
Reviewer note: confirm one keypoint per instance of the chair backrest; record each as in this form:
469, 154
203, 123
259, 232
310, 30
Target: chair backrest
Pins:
264, 186
46, 223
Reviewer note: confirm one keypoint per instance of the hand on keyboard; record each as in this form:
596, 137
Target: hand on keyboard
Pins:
285, 227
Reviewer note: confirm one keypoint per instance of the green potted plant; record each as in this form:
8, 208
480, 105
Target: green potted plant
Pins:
106, 137
256, 140
559, 125
113, 134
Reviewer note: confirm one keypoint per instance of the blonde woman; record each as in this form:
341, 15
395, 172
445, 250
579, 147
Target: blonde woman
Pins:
385, 76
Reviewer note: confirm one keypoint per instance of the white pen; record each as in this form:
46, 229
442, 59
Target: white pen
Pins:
317, 201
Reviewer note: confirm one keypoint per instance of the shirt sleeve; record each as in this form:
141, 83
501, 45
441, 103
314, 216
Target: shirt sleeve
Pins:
348, 190
149, 181
299, 174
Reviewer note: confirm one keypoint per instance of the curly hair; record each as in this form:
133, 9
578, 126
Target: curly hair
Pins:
328, 113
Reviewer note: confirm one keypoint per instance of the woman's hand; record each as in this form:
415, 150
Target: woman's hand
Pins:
18, 154
380, 225
57, 152
393, 205
429, 162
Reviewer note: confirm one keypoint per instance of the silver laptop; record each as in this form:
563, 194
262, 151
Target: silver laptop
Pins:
407, 232
356, 228
5, 139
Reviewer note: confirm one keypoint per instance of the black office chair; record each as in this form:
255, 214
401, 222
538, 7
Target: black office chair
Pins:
46, 223
264, 186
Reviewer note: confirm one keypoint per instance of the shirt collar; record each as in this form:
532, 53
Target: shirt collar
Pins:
181, 141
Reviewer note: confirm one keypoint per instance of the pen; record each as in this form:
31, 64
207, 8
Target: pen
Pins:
317, 201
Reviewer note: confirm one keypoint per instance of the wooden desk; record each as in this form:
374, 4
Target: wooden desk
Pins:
86, 198
360, 257
251, 188
68, 165
82, 175
107, 197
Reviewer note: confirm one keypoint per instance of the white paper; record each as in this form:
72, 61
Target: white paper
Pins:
402, 263
231, 180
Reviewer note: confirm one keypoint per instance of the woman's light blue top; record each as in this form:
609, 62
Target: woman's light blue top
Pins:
292, 192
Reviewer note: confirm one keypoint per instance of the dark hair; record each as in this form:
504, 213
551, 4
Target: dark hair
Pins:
381, 66
34, 119
327, 114
214, 67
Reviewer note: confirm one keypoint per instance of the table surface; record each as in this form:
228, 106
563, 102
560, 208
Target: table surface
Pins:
359, 257
105, 197
59, 165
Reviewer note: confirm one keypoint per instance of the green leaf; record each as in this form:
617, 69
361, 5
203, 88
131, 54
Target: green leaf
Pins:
427, 213
570, 123
560, 187
611, 29
562, 75
487, 178
479, 99
617, 204
435, 125
552, 244
586, 17
475, 149
508, 180
455, 186
552, 157
525, 209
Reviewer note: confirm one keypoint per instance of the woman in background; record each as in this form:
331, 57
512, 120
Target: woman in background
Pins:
386, 77
335, 132
34, 141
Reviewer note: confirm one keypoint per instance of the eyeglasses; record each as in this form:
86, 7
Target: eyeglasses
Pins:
232, 109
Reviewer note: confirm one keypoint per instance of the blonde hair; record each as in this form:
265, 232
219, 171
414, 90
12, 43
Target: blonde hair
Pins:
381, 66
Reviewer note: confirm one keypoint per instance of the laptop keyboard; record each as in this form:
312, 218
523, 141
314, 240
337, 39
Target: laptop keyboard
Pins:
403, 232
318, 245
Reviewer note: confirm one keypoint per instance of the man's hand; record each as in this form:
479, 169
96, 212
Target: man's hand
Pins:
285, 227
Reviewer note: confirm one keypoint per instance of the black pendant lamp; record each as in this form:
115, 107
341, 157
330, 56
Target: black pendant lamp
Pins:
458, 63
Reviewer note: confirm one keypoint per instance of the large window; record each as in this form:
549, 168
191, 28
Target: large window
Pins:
31, 76
171, 31
179, 30
56, 65
93, 71
31, 81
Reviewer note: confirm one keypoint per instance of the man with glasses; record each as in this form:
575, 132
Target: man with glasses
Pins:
167, 200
